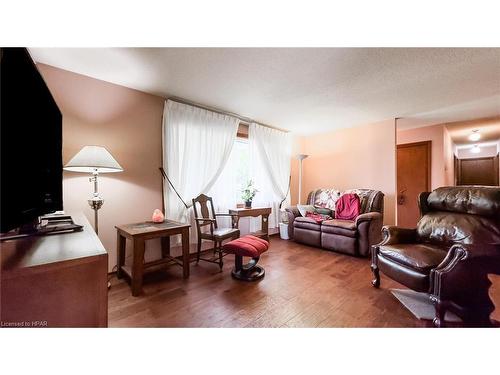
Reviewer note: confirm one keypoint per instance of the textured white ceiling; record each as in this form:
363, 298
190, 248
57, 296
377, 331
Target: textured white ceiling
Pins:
305, 90
489, 129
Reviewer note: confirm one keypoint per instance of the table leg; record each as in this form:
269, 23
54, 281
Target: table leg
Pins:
165, 246
185, 252
265, 225
120, 254
138, 266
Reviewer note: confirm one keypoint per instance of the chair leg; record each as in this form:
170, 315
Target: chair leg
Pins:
198, 252
376, 276
221, 264
440, 308
374, 267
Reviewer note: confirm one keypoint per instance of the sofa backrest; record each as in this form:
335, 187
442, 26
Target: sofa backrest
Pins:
460, 214
371, 200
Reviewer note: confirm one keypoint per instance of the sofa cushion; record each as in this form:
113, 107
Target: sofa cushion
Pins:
345, 224
342, 227
306, 223
420, 256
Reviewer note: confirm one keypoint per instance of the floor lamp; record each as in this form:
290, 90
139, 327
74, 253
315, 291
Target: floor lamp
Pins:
95, 160
300, 157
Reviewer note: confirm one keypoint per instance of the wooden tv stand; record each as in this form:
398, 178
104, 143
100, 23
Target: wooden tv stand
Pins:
58, 280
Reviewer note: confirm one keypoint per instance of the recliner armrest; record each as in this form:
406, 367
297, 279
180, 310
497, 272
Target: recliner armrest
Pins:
393, 235
293, 210
369, 216
292, 213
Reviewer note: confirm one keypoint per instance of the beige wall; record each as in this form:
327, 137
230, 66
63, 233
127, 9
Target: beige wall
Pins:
128, 123
436, 135
358, 157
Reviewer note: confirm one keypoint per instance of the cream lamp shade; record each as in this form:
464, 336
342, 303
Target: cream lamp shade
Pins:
93, 159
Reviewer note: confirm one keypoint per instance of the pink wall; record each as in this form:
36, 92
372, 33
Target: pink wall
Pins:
436, 135
358, 157
128, 123
449, 163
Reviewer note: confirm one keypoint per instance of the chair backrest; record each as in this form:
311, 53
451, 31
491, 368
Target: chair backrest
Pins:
371, 200
460, 214
207, 211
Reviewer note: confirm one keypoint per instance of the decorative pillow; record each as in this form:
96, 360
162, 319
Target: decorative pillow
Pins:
326, 198
319, 218
303, 208
348, 207
324, 211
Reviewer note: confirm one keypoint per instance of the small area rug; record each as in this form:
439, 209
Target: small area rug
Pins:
420, 305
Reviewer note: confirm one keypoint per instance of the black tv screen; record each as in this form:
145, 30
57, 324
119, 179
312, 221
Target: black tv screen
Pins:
31, 142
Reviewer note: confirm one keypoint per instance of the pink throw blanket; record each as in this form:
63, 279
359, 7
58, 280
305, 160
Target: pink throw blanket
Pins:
347, 207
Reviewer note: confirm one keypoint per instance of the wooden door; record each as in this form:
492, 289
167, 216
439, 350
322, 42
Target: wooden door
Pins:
478, 171
413, 177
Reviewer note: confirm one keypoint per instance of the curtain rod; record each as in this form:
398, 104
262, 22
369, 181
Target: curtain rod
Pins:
222, 112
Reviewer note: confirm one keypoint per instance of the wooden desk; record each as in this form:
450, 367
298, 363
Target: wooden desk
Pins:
264, 212
59, 280
139, 233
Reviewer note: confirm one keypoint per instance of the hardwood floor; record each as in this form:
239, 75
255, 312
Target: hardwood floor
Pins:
303, 287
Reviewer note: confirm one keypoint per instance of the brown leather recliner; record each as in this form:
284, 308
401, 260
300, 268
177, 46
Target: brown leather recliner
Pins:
455, 245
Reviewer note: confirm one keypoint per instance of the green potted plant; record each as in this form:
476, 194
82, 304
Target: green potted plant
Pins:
249, 192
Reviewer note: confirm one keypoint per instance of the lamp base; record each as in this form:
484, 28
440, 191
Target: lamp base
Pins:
96, 202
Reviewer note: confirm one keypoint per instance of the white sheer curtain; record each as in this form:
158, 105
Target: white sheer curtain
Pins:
197, 144
226, 192
270, 153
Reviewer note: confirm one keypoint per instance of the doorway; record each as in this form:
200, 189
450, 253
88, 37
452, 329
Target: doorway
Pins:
478, 171
413, 177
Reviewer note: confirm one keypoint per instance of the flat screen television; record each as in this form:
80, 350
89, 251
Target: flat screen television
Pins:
31, 142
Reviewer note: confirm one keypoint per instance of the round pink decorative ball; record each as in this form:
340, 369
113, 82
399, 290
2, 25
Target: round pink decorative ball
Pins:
158, 216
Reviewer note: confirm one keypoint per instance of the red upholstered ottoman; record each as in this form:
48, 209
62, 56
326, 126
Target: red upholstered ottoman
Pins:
247, 246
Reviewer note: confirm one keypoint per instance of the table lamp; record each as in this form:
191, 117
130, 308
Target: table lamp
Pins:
95, 160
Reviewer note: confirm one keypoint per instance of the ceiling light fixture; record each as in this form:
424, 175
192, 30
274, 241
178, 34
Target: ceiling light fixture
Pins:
475, 149
475, 136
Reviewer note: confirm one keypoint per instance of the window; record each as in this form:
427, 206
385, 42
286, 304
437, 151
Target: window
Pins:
227, 190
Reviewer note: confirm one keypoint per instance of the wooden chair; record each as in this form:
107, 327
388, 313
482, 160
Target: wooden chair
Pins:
208, 217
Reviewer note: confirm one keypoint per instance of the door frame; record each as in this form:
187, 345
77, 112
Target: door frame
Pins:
428, 144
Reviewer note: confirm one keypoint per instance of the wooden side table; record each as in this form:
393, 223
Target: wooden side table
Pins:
264, 212
139, 233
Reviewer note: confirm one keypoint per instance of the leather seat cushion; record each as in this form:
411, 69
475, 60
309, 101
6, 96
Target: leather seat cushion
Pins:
345, 224
306, 223
246, 246
420, 256
342, 227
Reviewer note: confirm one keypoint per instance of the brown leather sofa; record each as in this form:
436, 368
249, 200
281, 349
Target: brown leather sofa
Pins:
350, 237
448, 255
